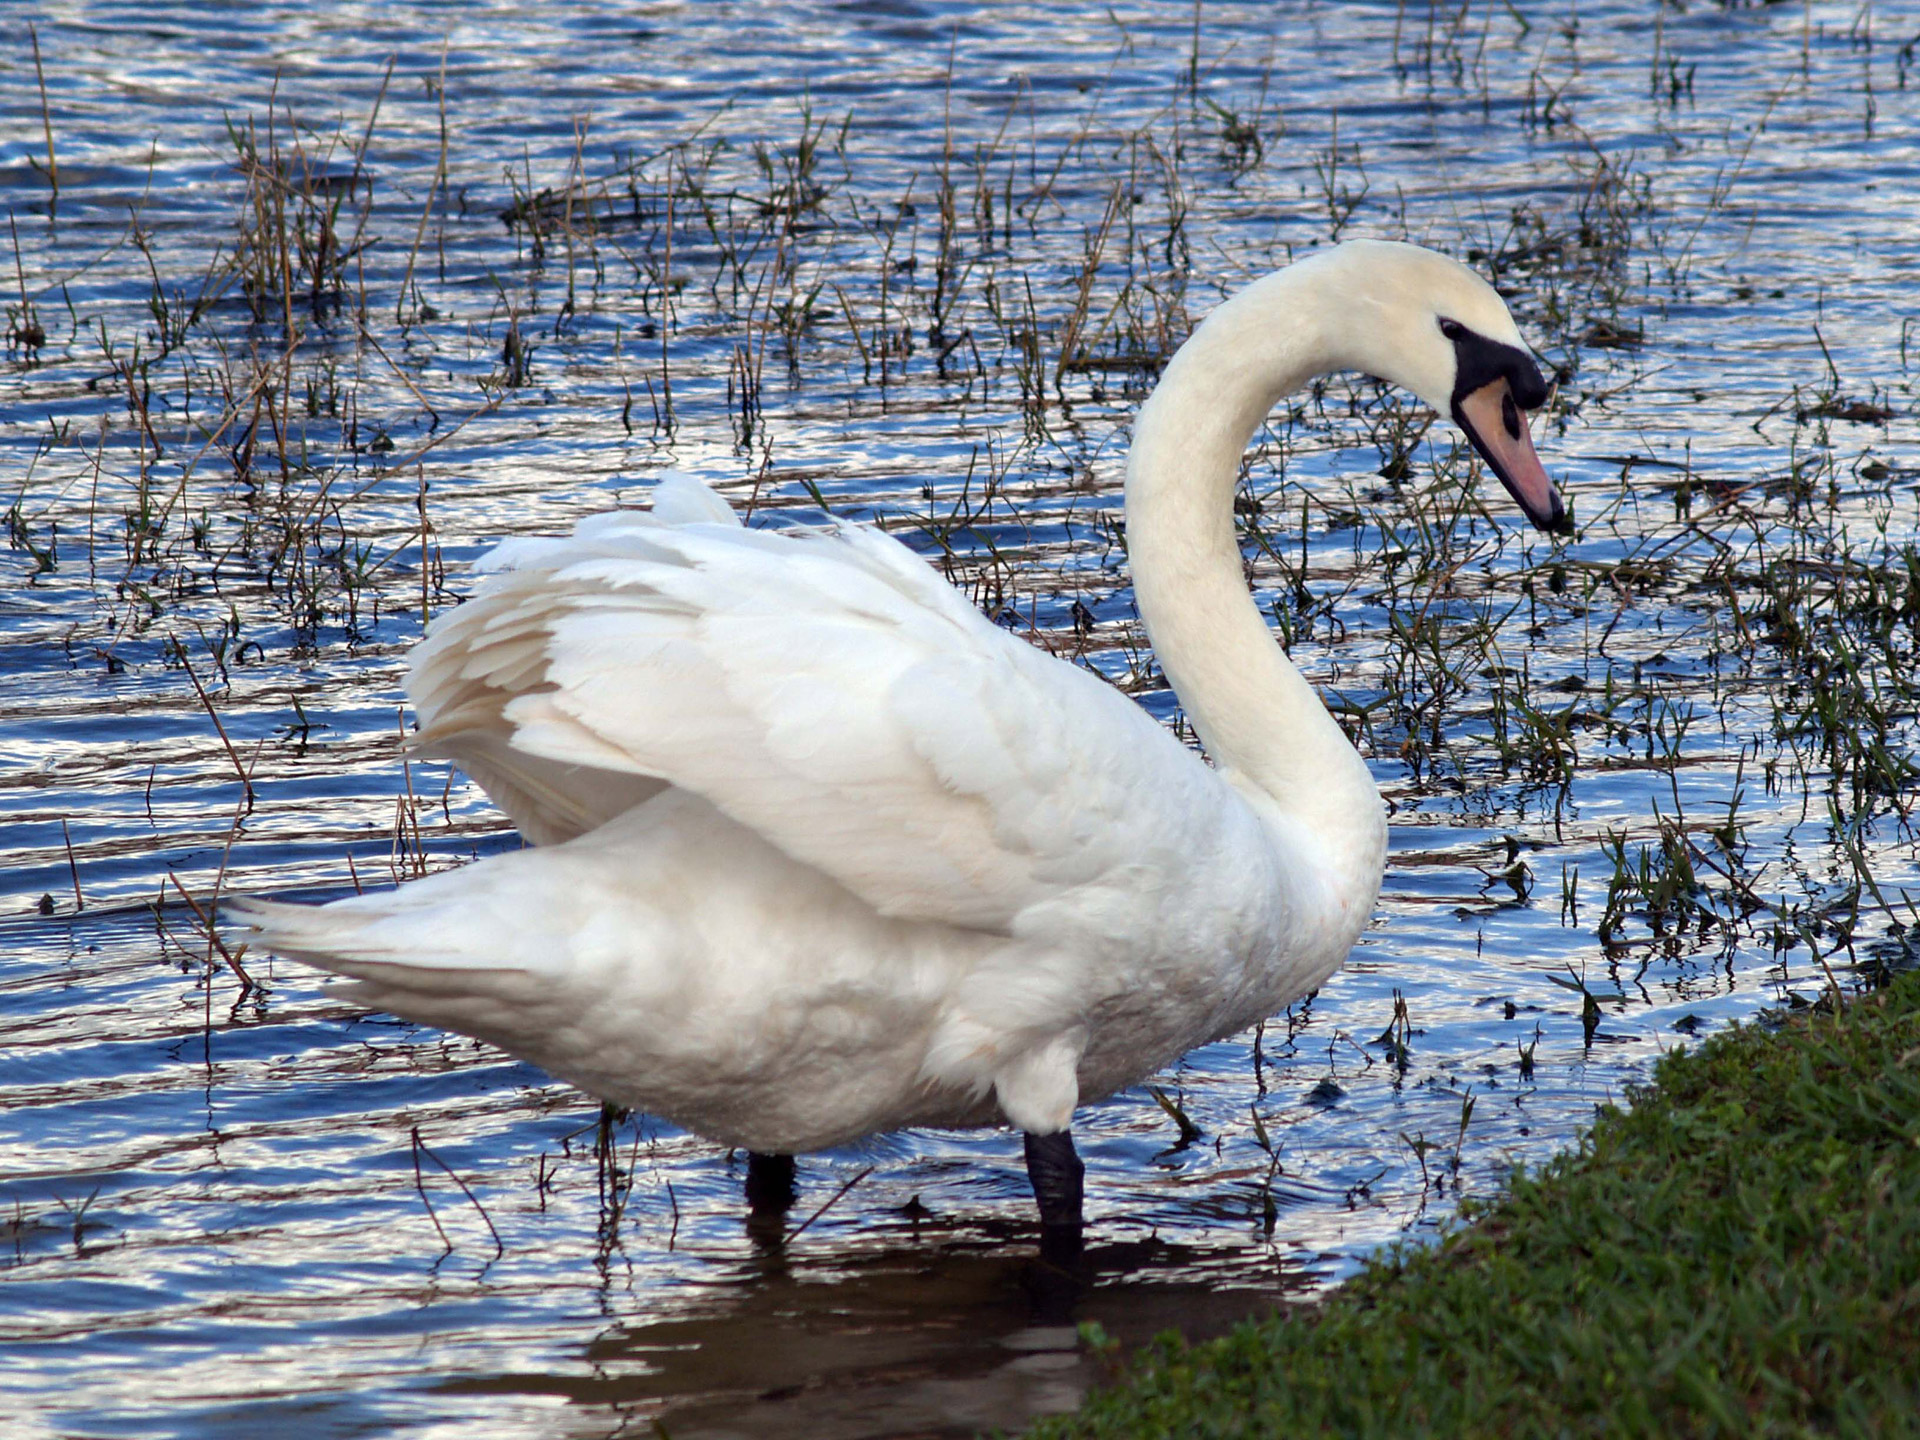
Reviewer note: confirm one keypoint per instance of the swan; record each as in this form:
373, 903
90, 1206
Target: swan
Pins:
818, 851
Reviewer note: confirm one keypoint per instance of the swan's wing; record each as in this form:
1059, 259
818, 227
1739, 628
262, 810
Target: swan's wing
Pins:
470, 668
827, 690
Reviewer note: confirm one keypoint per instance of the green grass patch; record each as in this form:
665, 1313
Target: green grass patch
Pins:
1738, 1254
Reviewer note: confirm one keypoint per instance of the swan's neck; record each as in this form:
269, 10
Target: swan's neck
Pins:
1261, 722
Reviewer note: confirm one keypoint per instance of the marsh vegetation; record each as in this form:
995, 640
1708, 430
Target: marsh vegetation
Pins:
297, 324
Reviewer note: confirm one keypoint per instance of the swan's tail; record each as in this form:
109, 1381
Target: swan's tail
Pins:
349, 938
456, 933
414, 954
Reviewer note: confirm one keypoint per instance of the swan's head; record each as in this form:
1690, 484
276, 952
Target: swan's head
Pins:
1423, 320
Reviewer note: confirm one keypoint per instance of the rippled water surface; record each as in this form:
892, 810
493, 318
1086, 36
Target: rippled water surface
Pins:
327, 300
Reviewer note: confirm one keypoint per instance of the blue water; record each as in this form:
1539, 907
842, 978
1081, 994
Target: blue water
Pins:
222, 1214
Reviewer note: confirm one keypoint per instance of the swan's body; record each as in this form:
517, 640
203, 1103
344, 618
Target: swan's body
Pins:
820, 851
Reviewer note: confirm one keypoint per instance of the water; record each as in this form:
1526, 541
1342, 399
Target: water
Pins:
225, 1212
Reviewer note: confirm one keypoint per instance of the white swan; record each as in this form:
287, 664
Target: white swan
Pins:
820, 851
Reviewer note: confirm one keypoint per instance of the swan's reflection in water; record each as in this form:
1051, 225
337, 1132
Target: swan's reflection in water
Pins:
938, 1334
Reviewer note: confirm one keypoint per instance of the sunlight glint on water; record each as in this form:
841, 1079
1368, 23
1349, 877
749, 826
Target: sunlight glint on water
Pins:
224, 1217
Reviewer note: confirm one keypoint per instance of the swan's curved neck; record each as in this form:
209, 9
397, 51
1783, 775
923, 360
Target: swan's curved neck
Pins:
1260, 721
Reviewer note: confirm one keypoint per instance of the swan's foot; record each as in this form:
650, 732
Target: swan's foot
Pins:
770, 1187
1057, 1176
1056, 1279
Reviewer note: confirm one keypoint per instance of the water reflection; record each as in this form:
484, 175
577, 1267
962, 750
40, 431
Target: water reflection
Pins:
235, 1218
932, 1332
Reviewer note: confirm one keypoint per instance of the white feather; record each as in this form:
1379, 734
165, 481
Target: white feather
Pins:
821, 851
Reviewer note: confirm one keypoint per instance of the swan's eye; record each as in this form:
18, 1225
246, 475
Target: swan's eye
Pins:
1453, 329
1510, 416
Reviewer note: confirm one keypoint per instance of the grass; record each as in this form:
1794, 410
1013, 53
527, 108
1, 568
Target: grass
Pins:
1737, 1254
256, 450
278, 378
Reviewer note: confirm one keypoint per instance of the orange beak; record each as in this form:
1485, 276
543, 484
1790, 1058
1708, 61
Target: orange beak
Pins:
1498, 429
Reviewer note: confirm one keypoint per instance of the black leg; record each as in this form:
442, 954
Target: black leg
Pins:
1057, 1175
770, 1189
1054, 1282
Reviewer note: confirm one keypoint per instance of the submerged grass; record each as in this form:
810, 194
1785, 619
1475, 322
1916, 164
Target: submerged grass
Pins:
1737, 1254
272, 385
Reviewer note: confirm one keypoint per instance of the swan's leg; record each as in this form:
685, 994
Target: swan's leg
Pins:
1054, 1282
770, 1188
1057, 1174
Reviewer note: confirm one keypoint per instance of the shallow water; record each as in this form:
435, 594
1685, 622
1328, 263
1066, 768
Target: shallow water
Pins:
224, 1211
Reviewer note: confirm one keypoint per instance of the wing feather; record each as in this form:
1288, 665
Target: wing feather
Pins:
826, 689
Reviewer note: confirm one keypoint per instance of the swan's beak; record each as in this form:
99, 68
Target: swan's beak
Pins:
1497, 426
